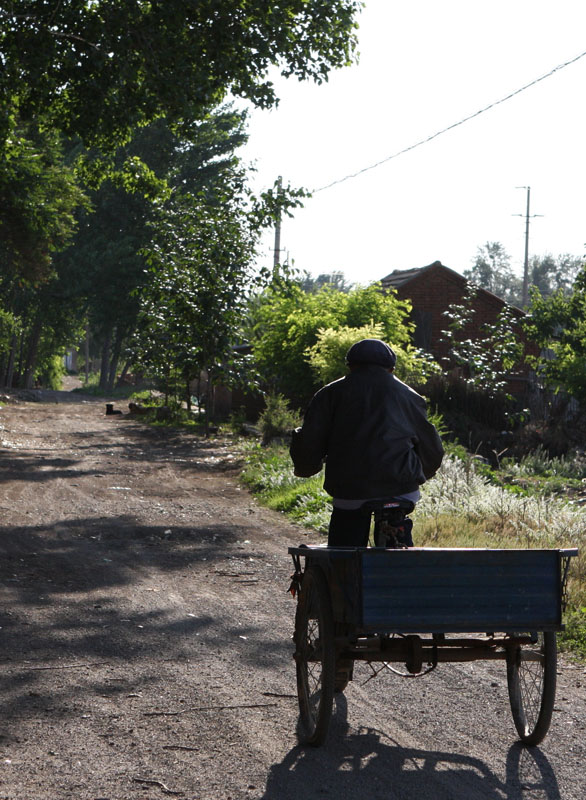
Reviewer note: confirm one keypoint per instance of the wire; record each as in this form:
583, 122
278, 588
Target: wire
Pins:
451, 127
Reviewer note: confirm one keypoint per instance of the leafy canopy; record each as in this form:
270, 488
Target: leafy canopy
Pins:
100, 69
287, 323
558, 324
492, 271
327, 357
38, 197
200, 272
547, 273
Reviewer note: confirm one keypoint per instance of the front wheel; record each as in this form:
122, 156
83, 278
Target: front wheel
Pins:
531, 678
315, 655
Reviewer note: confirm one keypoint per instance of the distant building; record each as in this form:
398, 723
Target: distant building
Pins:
431, 291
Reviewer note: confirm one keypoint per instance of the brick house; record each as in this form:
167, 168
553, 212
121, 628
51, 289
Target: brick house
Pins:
431, 290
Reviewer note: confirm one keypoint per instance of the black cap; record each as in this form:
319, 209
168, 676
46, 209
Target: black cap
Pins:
371, 351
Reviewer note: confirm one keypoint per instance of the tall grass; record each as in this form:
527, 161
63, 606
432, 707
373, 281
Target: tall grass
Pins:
460, 507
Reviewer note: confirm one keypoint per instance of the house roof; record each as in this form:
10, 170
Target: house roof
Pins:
400, 277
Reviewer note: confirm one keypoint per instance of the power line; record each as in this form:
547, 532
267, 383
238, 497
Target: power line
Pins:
454, 125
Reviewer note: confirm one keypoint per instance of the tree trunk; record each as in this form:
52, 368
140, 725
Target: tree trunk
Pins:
209, 415
167, 376
116, 349
87, 355
11, 359
32, 353
20, 365
104, 367
187, 391
124, 372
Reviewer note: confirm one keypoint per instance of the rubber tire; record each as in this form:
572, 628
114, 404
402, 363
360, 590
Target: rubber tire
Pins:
315, 656
532, 686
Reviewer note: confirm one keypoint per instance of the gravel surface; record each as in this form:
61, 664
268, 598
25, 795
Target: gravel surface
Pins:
146, 642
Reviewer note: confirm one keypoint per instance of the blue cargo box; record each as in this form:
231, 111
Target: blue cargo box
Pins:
427, 590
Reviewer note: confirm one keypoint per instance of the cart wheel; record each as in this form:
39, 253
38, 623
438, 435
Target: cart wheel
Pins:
531, 677
315, 655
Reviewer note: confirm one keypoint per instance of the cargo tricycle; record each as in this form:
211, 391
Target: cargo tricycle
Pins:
409, 609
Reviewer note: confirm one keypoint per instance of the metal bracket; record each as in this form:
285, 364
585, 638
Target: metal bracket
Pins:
565, 568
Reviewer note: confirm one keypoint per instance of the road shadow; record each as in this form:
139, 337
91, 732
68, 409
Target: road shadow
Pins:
370, 765
41, 470
127, 441
59, 603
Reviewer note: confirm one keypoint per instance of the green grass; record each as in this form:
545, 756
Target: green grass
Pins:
269, 474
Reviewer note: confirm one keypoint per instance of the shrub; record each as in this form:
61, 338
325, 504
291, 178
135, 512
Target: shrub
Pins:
237, 421
327, 356
286, 322
539, 462
574, 636
278, 419
52, 373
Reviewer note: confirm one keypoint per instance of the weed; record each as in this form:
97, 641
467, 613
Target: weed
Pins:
573, 639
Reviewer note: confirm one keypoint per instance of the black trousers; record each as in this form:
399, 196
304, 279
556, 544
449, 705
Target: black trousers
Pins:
349, 528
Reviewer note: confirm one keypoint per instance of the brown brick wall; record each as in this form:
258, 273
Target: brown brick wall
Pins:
432, 292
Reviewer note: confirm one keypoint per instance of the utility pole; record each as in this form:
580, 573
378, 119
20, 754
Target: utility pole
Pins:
527, 215
277, 251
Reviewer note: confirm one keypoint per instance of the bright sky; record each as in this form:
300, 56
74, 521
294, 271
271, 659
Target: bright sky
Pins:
425, 65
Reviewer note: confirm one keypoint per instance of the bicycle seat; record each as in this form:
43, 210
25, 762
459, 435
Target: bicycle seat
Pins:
389, 504
392, 527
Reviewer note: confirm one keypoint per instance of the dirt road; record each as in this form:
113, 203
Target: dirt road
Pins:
146, 652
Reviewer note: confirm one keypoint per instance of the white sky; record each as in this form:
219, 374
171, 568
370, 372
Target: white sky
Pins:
425, 65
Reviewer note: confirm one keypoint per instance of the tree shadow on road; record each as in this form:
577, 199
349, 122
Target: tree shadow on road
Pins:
370, 765
99, 592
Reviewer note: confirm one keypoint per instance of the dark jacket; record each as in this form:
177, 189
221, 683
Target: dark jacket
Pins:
373, 433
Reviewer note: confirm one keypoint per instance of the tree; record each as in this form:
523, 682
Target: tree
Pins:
485, 361
9, 331
549, 273
38, 197
201, 269
558, 324
114, 234
44, 318
100, 70
286, 322
492, 271
334, 279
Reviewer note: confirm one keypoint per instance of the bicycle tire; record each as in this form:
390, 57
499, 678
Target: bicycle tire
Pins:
531, 679
315, 656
